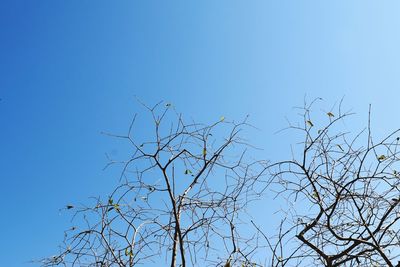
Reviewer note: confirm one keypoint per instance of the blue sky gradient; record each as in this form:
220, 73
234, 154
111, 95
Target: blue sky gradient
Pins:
71, 69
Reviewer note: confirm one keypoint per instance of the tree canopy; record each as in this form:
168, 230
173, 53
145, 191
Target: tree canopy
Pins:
183, 194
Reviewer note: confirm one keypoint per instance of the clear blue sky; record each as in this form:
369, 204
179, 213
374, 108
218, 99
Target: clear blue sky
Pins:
70, 69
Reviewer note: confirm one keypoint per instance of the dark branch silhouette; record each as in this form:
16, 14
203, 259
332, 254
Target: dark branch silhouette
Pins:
342, 193
181, 200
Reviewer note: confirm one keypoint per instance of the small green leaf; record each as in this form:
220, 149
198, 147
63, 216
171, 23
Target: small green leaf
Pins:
204, 151
128, 252
116, 206
68, 207
222, 118
188, 172
330, 114
310, 123
110, 201
340, 147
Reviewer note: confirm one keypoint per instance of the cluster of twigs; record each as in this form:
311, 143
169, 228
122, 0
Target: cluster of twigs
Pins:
183, 194
343, 196
181, 200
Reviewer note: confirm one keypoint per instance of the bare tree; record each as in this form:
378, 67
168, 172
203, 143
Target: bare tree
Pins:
183, 194
181, 199
342, 194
